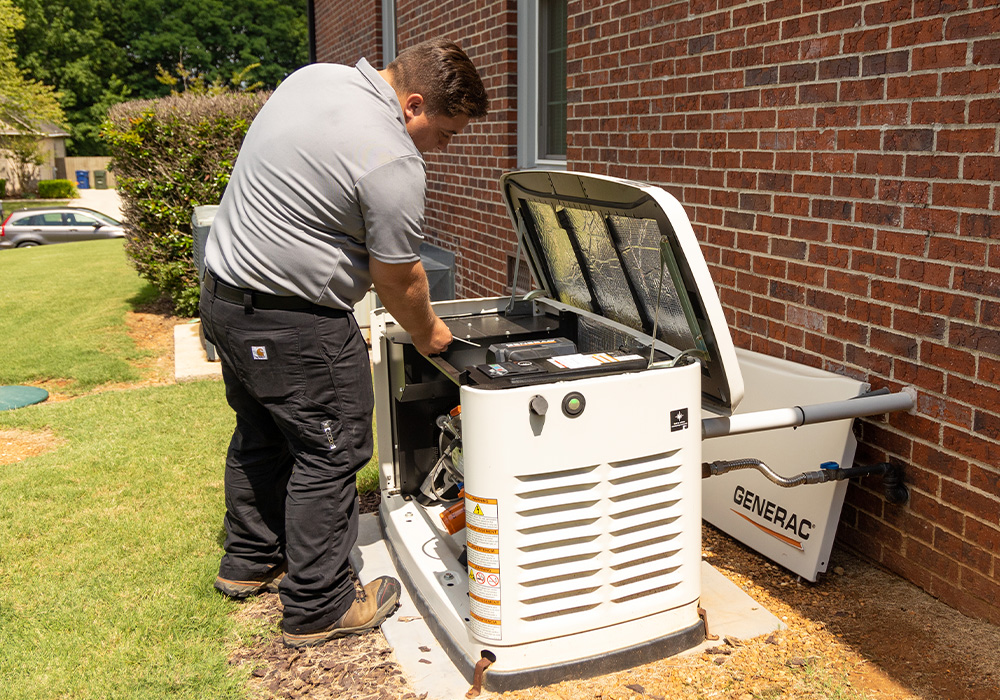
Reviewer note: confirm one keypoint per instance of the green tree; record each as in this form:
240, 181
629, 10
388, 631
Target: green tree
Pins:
25, 104
98, 53
212, 40
24, 155
21, 98
66, 43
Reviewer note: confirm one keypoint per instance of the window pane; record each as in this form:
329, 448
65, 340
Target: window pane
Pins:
552, 79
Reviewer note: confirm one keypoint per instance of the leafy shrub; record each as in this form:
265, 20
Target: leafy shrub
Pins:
3, 188
170, 156
57, 189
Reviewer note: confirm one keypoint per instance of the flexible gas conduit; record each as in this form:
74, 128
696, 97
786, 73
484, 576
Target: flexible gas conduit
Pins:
722, 467
891, 473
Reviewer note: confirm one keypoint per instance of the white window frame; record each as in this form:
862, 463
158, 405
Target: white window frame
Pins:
529, 119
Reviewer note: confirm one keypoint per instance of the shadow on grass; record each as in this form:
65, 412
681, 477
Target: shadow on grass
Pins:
150, 300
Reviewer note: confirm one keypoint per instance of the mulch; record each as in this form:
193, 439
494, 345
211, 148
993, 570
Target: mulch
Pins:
860, 632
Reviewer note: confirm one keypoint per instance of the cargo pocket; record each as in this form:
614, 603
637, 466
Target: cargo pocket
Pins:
269, 363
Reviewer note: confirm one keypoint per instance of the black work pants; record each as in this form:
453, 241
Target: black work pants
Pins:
300, 384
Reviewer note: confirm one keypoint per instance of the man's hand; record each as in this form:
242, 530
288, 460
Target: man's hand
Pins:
437, 342
402, 288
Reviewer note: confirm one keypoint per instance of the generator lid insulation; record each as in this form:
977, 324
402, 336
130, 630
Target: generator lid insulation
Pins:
625, 251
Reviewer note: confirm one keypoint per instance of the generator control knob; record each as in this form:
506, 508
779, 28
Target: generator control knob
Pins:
573, 404
538, 405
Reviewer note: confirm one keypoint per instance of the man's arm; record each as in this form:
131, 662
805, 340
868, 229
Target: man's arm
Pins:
402, 288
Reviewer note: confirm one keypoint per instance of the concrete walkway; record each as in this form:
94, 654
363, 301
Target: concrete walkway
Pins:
105, 201
190, 360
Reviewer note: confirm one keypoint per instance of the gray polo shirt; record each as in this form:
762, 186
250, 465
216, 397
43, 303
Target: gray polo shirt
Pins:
326, 177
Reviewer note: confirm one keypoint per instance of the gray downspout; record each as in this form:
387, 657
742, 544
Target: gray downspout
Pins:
311, 27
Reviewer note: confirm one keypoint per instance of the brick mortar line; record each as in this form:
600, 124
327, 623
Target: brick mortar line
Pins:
852, 200
916, 285
769, 23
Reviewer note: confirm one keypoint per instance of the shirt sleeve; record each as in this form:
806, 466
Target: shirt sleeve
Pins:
392, 198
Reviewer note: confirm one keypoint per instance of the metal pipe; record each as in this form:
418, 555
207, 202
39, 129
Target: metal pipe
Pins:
807, 415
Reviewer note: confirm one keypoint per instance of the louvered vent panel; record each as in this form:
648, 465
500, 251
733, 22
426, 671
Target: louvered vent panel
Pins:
598, 535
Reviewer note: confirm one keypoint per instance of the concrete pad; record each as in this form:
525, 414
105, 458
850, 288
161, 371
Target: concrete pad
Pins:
190, 361
406, 632
731, 613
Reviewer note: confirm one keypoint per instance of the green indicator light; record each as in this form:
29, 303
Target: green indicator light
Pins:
574, 404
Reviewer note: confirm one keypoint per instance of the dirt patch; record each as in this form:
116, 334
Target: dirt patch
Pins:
897, 641
151, 328
17, 445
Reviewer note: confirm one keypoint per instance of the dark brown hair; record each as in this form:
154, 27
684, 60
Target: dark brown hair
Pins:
444, 75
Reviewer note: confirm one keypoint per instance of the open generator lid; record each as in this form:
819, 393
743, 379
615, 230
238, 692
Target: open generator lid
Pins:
626, 251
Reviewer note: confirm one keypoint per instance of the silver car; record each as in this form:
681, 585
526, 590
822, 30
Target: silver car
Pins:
28, 227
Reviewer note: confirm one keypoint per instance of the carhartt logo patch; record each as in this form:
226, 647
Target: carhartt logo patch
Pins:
258, 352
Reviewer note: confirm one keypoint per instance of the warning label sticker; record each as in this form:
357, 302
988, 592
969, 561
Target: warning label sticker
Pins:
488, 559
482, 537
485, 628
581, 361
481, 512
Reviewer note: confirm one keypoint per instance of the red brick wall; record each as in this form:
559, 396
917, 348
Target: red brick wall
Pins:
840, 163
346, 31
465, 213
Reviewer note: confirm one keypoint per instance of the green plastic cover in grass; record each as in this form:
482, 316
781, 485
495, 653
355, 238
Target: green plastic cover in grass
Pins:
18, 396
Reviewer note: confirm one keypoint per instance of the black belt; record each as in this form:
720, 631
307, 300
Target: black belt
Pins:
251, 299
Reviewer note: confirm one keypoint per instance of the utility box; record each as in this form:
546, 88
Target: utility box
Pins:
439, 264
201, 224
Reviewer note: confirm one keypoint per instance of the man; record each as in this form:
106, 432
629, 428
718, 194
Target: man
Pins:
326, 198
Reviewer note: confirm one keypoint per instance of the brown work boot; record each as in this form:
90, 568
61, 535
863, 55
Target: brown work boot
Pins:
373, 604
245, 589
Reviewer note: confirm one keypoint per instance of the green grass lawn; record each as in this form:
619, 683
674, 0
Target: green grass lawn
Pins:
10, 205
109, 543
62, 314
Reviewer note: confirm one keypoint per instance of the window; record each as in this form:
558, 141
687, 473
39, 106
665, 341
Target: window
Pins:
82, 220
48, 219
541, 128
552, 74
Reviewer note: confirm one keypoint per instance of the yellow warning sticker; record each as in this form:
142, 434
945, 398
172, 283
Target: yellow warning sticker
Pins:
481, 513
484, 627
482, 538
